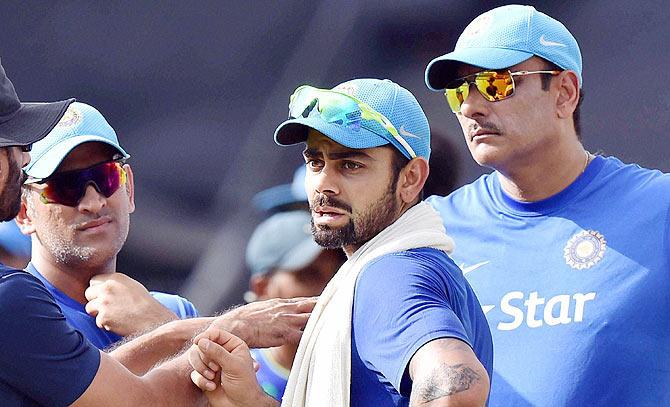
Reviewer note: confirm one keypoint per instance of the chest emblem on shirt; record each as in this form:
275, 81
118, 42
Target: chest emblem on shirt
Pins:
585, 249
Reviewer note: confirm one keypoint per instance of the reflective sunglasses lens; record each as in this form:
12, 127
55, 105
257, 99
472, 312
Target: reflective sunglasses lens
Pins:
108, 177
68, 188
494, 86
456, 96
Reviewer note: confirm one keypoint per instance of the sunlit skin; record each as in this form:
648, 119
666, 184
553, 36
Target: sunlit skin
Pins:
73, 244
357, 181
528, 138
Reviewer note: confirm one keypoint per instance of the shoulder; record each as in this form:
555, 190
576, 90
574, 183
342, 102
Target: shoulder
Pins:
179, 305
18, 289
417, 268
643, 179
465, 196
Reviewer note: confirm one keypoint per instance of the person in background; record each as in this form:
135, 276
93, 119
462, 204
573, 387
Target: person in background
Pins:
568, 251
285, 262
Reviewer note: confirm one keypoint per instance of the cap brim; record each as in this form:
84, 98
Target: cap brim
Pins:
32, 122
442, 70
295, 131
45, 165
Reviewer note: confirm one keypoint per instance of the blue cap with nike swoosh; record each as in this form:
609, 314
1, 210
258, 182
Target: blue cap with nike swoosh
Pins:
506, 36
386, 97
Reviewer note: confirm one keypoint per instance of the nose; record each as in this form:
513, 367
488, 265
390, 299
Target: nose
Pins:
92, 201
323, 181
475, 105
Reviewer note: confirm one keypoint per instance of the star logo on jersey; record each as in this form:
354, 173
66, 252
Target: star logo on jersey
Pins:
585, 249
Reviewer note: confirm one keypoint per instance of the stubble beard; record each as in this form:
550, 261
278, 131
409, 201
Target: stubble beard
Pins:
361, 227
65, 251
10, 198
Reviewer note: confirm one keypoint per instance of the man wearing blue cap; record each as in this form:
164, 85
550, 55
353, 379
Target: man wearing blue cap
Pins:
45, 361
568, 251
398, 323
77, 231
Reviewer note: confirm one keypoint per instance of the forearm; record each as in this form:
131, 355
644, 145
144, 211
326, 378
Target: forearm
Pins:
170, 385
142, 353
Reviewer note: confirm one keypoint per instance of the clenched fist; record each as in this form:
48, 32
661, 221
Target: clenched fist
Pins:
123, 306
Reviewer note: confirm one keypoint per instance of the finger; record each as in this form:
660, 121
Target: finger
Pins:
195, 360
202, 382
92, 307
92, 292
215, 352
256, 365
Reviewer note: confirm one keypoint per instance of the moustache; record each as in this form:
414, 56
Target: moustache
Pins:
325, 200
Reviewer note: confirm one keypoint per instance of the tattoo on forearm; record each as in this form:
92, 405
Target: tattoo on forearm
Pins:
446, 380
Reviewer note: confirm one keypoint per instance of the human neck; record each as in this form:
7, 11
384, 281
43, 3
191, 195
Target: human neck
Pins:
538, 178
72, 280
284, 355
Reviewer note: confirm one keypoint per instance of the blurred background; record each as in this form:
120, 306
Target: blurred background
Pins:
196, 89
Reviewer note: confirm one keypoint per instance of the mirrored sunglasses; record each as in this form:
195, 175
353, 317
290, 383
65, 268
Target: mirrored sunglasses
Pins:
493, 85
342, 110
68, 188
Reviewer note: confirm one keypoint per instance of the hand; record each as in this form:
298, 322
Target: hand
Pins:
269, 323
123, 306
223, 369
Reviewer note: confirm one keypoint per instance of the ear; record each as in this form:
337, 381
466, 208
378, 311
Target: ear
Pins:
259, 286
130, 187
568, 94
23, 219
412, 179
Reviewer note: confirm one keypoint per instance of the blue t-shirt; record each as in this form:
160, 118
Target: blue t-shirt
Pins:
271, 375
401, 302
76, 315
43, 360
576, 287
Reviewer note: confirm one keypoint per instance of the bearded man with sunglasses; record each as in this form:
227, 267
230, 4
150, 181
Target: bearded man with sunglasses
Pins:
568, 251
398, 324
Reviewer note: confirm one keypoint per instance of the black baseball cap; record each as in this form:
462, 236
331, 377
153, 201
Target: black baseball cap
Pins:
22, 124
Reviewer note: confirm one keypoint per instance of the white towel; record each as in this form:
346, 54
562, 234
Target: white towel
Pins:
321, 373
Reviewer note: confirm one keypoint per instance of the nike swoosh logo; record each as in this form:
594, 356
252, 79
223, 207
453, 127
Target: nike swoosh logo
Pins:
487, 308
474, 267
547, 43
405, 133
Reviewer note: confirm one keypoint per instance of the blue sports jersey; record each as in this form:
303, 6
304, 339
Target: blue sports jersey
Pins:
401, 302
76, 315
271, 375
43, 360
576, 287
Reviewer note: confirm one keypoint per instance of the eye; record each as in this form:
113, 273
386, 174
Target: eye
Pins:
351, 165
313, 164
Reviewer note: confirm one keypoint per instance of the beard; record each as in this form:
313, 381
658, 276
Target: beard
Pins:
10, 198
361, 227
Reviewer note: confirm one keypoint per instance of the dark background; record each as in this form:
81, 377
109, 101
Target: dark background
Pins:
196, 89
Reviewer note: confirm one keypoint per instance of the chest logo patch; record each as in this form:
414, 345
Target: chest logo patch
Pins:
585, 249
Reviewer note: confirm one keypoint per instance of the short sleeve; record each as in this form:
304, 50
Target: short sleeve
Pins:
41, 356
401, 303
179, 305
